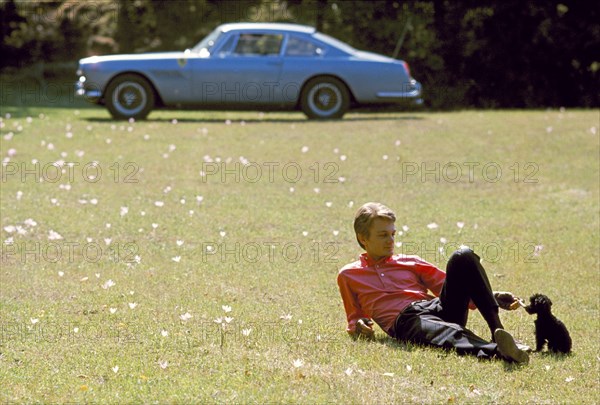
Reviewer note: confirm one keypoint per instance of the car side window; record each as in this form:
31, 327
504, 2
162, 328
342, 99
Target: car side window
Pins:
301, 47
258, 44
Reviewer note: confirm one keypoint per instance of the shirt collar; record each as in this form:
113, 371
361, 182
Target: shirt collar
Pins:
368, 261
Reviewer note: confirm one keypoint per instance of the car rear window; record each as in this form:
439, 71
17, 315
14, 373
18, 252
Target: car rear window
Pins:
301, 47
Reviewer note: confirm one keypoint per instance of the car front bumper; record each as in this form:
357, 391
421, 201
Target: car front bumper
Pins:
88, 92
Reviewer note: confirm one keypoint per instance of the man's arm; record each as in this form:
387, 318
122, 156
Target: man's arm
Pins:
359, 323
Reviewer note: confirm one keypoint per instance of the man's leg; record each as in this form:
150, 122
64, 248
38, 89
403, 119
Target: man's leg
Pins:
420, 323
466, 280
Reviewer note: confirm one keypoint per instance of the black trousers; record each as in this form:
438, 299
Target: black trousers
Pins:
442, 321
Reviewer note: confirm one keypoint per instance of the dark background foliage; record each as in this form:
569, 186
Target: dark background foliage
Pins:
501, 54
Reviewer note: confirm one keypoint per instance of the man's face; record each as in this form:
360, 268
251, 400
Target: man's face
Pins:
381, 239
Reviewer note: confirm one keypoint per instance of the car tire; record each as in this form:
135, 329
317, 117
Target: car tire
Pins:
129, 96
325, 98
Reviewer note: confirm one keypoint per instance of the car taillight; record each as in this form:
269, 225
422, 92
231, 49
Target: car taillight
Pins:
406, 68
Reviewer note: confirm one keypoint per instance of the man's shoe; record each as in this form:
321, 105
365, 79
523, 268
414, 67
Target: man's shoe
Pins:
508, 349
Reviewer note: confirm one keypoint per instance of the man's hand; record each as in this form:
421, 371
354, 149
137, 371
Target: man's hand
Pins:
364, 328
506, 300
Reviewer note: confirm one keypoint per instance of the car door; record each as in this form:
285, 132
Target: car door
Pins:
245, 70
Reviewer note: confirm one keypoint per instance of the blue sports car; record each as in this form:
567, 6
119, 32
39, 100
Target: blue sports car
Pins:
248, 65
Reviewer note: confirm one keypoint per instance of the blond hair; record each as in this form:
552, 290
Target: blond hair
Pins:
365, 216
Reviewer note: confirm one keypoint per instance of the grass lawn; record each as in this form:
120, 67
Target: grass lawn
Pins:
192, 257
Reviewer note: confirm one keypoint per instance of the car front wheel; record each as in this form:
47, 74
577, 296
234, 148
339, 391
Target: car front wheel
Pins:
129, 96
325, 98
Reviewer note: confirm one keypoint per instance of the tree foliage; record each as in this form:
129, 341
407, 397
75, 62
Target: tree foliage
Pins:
466, 54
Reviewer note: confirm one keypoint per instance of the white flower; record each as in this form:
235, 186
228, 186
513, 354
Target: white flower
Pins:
124, 211
185, 317
30, 222
433, 225
163, 364
176, 259
228, 319
164, 333
109, 283
226, 308
246, 332
159, 203
460, 225
52, 235
328, 204
286, 317
115, 369
298, 363
179, 242
304, 149
112, 310
348, 371
132, 305
34, 320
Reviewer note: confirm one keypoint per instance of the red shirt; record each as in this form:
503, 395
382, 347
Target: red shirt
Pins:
381, 290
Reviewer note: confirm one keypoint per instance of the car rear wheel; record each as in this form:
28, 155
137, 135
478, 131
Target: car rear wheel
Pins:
325, 98
129, 96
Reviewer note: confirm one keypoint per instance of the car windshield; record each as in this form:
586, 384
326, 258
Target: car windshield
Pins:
334, 42
205, 46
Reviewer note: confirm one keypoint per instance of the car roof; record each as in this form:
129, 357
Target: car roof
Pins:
306, 29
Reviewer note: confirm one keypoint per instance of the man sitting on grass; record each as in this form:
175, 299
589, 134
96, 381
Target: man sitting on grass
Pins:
393, 290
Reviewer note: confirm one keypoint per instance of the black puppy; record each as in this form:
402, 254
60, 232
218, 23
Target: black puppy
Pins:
548, 328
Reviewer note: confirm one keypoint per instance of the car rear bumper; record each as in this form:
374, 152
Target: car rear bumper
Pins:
411, 90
